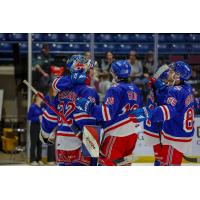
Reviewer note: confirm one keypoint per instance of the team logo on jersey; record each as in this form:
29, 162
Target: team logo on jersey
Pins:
110, 100
172, 101
132, 95
92, 99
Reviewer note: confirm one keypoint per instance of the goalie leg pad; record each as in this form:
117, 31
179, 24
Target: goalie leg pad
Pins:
71, 158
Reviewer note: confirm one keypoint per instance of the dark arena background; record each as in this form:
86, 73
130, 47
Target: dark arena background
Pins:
38, 57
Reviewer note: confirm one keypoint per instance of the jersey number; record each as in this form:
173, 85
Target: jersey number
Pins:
188, 120
70, 107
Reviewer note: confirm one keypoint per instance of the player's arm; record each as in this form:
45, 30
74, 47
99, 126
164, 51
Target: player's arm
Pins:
161, 113
104, 112
67, 82
49, 123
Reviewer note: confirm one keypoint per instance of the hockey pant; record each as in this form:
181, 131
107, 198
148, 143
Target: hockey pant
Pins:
116, 147
71, 158
167, 155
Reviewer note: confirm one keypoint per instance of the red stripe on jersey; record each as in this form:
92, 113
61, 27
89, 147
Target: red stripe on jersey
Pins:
81, 116
165, 113
54, 83
48, 116
118, 125
105, 112
176, 140
150, 134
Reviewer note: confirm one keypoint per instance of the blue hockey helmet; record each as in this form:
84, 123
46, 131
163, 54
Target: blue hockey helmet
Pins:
182, 69
121, 68
79, 64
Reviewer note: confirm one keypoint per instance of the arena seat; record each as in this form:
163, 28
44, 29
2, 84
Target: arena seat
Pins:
163, 38
176, 37
123, 38
178, 48
104, 37
18, 37
142, 37
23, 47
5, 47
51, 37
193, 37
143, 48
194, 48
123, 48
37, 37
36, 47
3, 36
163, 48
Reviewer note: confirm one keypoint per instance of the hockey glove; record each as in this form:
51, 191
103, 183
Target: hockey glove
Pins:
84, 105
156, 84
141, 114
78, 78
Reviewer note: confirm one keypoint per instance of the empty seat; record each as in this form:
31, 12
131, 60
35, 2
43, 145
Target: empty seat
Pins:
51, 37
176, 37
193, 37
194, 48
123, 37
143, 37
163, 48
23, 47
104, 37
36, 47
18, 36
37, 37
163, 37
179, 48
123, 48
143, 48
3, 36
5, 47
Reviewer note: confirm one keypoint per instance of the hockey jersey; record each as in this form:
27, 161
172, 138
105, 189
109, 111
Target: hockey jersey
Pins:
119, 99
64, 102
175, 111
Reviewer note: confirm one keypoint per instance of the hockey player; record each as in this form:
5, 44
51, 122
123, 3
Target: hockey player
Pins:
67, 143
119, 129
176, 114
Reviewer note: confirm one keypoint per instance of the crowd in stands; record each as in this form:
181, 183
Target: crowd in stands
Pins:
142, 69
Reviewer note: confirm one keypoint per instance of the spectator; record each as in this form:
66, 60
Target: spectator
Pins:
106, 63
195, 81
149, 68
41, 70
136, 66
35, 116
104, 84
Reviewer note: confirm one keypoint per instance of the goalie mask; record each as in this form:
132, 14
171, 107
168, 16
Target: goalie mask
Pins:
79, 64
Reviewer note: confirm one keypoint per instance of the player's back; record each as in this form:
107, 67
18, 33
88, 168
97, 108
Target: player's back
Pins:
121, 98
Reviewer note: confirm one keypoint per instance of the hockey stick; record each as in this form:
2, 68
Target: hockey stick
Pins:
193, 160
76, 131
125, 160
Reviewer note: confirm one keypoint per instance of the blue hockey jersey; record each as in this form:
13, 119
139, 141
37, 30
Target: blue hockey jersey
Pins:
65, 104
175, 111
119, 99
